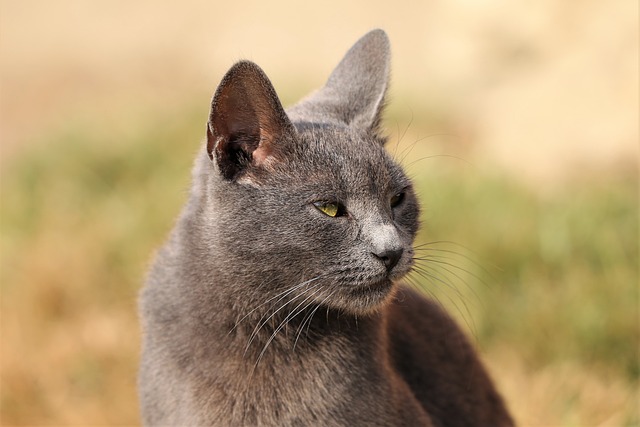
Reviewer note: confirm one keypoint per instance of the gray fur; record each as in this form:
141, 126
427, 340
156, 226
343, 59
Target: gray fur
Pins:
262, 310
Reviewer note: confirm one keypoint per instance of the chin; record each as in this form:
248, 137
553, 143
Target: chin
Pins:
366, 299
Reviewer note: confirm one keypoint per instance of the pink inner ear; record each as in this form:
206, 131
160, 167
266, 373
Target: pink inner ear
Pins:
265, 148
260, 156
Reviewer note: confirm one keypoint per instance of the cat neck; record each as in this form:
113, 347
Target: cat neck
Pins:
286, 330
316, 339
309, 366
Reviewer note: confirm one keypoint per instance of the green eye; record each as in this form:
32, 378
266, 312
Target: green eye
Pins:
332, 209
397, 199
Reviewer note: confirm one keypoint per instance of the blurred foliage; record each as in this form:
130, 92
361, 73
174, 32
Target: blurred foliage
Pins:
81, 215
558, 274
551, 275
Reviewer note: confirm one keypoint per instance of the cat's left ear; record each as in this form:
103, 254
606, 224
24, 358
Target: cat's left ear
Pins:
246, 121
355, 91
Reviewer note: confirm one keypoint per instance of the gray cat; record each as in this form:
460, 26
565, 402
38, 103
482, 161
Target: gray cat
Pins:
276, 299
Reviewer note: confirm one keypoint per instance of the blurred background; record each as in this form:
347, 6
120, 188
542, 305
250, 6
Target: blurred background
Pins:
518, 121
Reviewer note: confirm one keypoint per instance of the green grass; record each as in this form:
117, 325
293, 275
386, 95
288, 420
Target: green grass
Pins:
551, 276
556, 275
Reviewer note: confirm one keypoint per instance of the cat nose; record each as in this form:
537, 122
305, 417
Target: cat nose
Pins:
389, 257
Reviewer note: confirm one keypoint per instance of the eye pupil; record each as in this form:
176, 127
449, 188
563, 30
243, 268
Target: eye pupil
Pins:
332, 209
397, 199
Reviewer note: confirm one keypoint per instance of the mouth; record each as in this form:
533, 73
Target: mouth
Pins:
374, 286
363, 295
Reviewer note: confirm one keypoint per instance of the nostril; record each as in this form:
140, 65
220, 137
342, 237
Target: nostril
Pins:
389, 257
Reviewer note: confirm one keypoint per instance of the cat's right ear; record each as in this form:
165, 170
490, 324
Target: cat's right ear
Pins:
246, 121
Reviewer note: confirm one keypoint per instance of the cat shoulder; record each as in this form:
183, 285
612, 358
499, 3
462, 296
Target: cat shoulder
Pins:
438, 361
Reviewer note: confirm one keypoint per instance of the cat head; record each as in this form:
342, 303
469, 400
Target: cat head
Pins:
308, 200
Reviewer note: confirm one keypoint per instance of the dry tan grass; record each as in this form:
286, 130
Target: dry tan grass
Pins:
563, 394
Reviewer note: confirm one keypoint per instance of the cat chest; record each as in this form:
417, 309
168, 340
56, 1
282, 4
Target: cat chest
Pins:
286, 394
